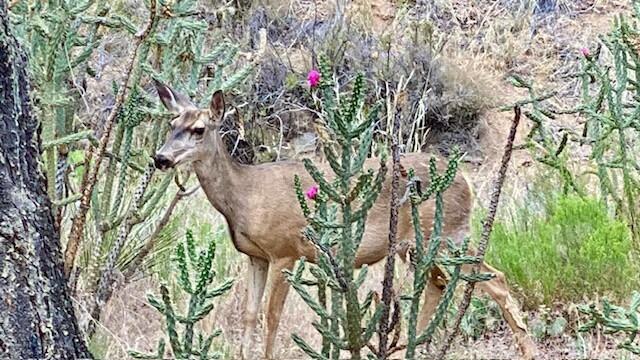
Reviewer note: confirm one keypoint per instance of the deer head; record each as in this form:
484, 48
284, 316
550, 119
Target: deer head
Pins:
193, 130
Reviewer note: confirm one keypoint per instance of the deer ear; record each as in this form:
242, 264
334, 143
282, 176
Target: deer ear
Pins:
217, 106
172, 100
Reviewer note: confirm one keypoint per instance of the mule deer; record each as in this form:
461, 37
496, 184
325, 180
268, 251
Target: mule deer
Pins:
265, 223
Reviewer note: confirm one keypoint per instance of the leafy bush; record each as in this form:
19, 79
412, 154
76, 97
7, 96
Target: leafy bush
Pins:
407, 56
564, 252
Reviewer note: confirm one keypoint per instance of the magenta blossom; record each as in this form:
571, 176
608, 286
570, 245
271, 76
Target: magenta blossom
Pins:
313, 78
312, 192
585, 52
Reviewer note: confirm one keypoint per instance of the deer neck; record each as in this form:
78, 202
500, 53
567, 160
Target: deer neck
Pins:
221, 178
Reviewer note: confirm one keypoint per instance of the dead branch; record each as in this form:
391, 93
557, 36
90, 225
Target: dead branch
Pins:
104, 287
90, 177
486, 232
385, 326
151, 243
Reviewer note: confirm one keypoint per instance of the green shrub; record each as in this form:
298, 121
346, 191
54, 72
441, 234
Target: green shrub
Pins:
573, 248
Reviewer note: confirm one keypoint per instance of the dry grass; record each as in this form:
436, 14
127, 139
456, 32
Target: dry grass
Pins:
131, 323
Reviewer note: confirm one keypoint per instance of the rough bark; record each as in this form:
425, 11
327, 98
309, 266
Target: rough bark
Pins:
36, 314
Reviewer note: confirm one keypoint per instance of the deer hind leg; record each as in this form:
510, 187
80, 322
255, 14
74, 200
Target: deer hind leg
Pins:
432, 294
278, 290
256, 280
497, 288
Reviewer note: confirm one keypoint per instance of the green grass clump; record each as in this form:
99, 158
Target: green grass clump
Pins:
571, 249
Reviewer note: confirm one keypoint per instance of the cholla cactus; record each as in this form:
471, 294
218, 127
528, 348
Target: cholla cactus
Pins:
179, 39
542, 142
60, 41
119, 200
616, 319
609, 103
612, 117
338, 222
424, 260
195, 275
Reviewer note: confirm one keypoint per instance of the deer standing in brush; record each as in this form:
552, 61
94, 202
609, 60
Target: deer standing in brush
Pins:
265, 222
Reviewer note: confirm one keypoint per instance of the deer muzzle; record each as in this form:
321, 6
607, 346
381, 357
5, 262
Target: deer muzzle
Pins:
162, 162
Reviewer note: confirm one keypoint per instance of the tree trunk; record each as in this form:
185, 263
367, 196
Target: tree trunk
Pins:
36, 315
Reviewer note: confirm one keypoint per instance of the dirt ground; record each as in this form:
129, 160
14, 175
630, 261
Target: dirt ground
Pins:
131, 323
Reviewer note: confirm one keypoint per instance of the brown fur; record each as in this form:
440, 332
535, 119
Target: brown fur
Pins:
265, 220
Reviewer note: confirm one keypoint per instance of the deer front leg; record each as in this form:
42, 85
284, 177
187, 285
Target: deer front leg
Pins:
497, 288
278, 290
432, 295
256, 280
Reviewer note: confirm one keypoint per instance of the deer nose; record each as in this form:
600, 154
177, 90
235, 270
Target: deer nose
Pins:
161, 162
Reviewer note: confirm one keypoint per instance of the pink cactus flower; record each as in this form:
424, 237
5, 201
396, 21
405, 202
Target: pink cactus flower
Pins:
312, 192
585, 52
313, 78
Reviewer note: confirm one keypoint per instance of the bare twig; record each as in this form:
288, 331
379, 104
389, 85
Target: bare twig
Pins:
487, 226
90, 177
395, 325
105, 288
384, 328
151, 243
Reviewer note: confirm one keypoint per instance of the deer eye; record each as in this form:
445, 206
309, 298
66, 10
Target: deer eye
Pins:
198, 130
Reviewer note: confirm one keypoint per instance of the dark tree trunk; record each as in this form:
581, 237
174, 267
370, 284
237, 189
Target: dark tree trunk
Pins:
36, 315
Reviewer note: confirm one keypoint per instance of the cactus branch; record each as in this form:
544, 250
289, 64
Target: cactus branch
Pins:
199, 266
91, 176
151, 242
